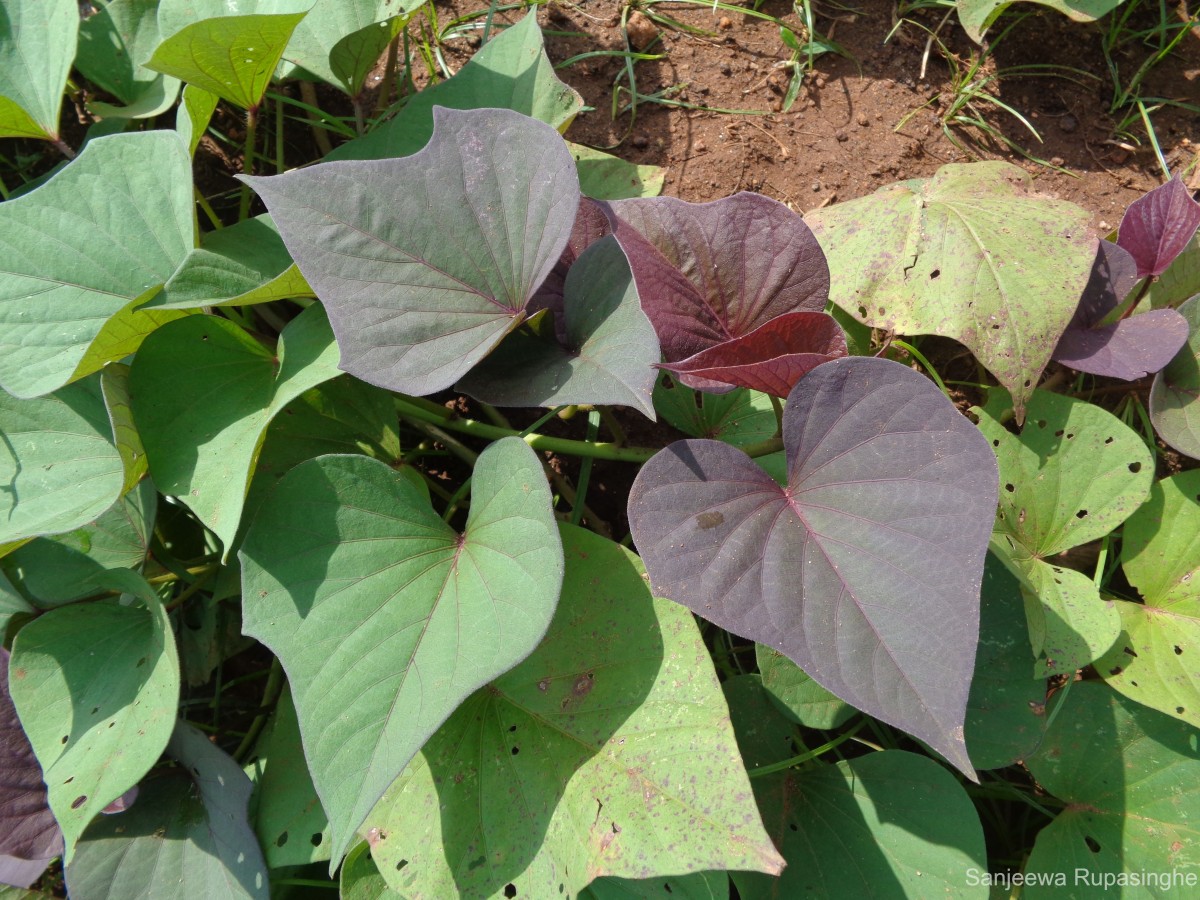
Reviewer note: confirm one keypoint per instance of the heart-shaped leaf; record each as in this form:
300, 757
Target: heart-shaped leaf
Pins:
113, 44
59, 469
608, 355
771, 358
240, 265
511, 71
1130, 778
29, 829
204, 392
891, 824
340, 41
865, 569
972, 254
1153, 662
187, 836
231, 55
607, 752
351, 575
797, 695
1157, 227
1006, 712
37, 44
62, 288
415, 308
1073, 475
710, 272
96, 686
606, 177
288, 818
740, 417
977, 15
54, 570
1173, 407
1130, 348
697, 886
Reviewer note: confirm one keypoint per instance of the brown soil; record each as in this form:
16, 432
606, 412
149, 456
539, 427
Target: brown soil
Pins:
868, 119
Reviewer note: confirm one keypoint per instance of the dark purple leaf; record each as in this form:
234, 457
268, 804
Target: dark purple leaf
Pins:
1157, 227
424, 263
29, 836
1129, 348
710, 272
865, 569
772, 358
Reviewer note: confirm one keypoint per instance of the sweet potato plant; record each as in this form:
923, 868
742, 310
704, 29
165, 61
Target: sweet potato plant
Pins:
301, 578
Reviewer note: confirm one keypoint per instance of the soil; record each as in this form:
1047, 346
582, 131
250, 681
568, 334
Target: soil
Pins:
874, 115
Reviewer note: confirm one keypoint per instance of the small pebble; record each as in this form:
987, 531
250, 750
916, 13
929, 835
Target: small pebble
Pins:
699, 146
1068, 124
863, 121
725, 23
842, 137
816, 186
641, 141
726, 69
1057, 161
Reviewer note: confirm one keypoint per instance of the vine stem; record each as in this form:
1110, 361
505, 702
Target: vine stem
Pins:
420, 410
271, 692
248, 160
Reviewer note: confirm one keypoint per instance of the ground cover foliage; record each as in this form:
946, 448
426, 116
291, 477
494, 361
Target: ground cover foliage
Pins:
291, 605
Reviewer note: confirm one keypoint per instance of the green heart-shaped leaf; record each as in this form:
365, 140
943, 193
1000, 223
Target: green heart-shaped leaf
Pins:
96, 686
78, 252
37, 45
607, 752
352, 579
204, 392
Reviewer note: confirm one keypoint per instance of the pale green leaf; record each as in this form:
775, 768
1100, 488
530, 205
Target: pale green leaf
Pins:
797, 695
977, 15
740, 417
971, 254
607, 752
105, 231
37, 44
204, 392
1174, 409
352, 580
603, 176
113, 44
195, 112
96, 686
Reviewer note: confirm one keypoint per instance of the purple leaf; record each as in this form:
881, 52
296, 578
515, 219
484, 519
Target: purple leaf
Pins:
865, 569
1129, 348
710, 272
1157, 227
29, 836
424, 263
590, 225
772, 358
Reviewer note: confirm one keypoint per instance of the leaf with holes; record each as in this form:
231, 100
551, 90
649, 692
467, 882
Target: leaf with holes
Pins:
1130, 778
64, 293
1157, 227
288, 818
1173, 407
30, 833
37, 44
1130, 348
607, 752
708, 273
607, 356
1152, 662
879, 533
204, 392
972, 254
1073, 475
187, 836
415, 308
96, 686
697, 886
353, 576
511, 71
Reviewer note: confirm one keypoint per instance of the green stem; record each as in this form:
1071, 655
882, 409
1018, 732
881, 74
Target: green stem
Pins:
279, 159
208, 210
920, 357
271, 694
248, 160
618, 433
807, 755
585, 469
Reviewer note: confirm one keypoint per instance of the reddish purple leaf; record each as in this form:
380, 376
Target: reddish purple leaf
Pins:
1130, 348
29, 836
710, 272
866, 568
1157, 227
772, 358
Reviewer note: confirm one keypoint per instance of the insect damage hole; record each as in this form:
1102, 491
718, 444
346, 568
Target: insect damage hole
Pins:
510, 890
